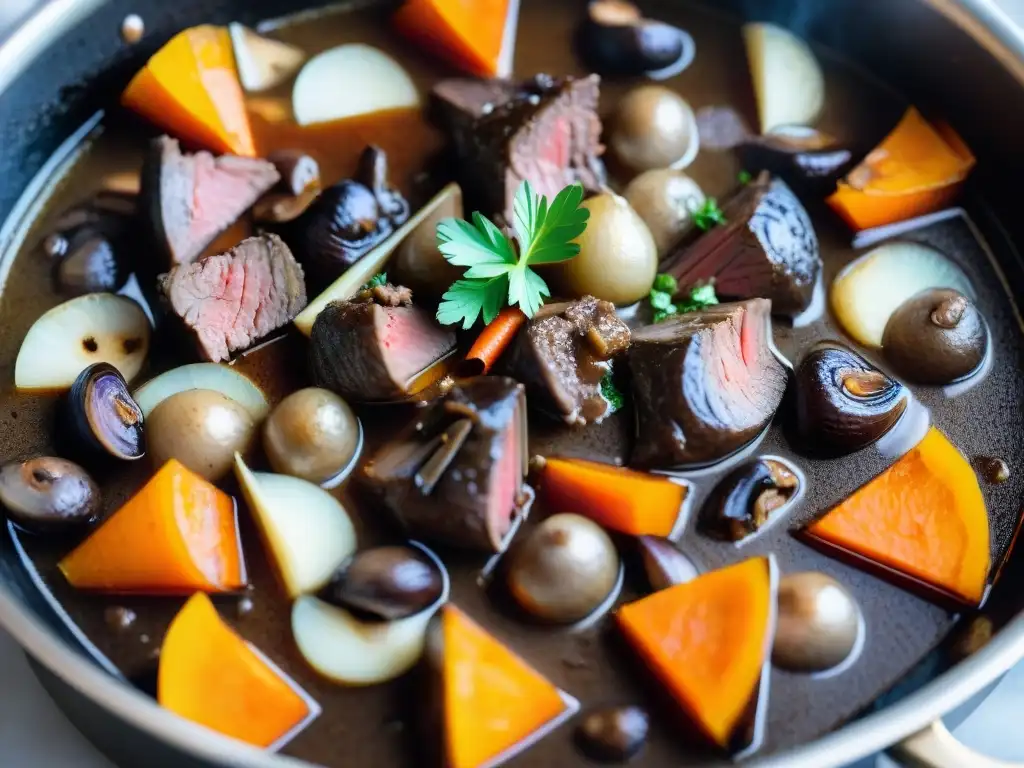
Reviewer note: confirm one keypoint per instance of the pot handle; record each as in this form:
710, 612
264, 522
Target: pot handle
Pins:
936, 747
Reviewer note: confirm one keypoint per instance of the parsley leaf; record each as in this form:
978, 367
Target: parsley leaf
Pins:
611, 393
498, 268
664, 303
708, 215
744, 177
380, 278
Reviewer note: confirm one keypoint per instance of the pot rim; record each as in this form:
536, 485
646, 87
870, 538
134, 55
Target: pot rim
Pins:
991, 27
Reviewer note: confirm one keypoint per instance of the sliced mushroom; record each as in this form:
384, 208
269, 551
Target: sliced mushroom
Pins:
614, 39
842, 402
750, 494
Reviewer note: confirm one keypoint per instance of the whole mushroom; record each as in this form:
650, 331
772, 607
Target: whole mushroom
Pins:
665, 199
312, 434
654, 127
818, 623
615, 39
564, 569
48, 495
936, 337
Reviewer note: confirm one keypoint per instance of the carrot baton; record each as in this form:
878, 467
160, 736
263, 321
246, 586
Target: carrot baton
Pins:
492, 342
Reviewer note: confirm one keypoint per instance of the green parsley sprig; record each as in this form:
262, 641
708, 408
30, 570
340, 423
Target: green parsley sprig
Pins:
499, 267
381, 278
611, 393
664, 303
708, 215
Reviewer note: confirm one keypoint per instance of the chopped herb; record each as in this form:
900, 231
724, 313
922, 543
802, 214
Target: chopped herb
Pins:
665, 284
499, 266
708, 215
381, 278
744, 177
611, 393
664, 304
700, 297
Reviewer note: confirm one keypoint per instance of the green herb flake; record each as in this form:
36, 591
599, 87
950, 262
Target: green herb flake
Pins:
611, 393
708, 215
744, 177
499, 267
665, 304
665, 284
700, 297
381, 278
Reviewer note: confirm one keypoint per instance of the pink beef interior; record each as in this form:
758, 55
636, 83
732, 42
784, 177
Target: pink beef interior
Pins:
410, 341
506, 477
235, 298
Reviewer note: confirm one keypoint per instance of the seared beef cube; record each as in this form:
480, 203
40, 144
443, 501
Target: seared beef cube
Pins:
193, 198
704, 384
563, 355
455, 475
376, 346
232, 300
767, 249
545, 130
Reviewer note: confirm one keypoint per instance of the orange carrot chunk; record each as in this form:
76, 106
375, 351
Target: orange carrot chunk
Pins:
917, 169
475, 36
177, 535
708, 642
493, 700
620, 499
923, 520
211, 676
190, 89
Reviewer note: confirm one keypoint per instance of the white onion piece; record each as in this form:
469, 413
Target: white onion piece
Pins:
95, 328
868, 290
307, 531
216, 376
788, 82
356, 276
348, 651
349, 81
263, 63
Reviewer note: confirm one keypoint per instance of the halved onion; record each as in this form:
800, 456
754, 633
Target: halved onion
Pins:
346, 286
95, 328
216, 376
349, 651
788, 82
348, 81
868, 290
262, 63
306, 530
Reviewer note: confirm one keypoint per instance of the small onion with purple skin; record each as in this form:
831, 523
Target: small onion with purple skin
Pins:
102, 418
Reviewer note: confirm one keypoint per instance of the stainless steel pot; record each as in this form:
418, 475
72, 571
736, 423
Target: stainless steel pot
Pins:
963, 57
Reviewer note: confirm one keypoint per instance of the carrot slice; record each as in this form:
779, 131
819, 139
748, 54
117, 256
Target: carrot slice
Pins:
708, 642
917, 169
494, 702
190, 88
211, 676
923, 521
474, 35
621, 499
493, 341
177, 535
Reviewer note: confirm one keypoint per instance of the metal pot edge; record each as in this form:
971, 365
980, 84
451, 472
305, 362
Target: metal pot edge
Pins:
980, 19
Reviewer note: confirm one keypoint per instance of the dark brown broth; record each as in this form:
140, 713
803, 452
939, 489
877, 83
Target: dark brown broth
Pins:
375, 726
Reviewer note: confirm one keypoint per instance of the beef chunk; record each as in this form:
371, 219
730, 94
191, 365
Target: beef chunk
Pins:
193, 198
234, 299
455, 475
545, 130
563, 355
375, 346
704, 384
767, 249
